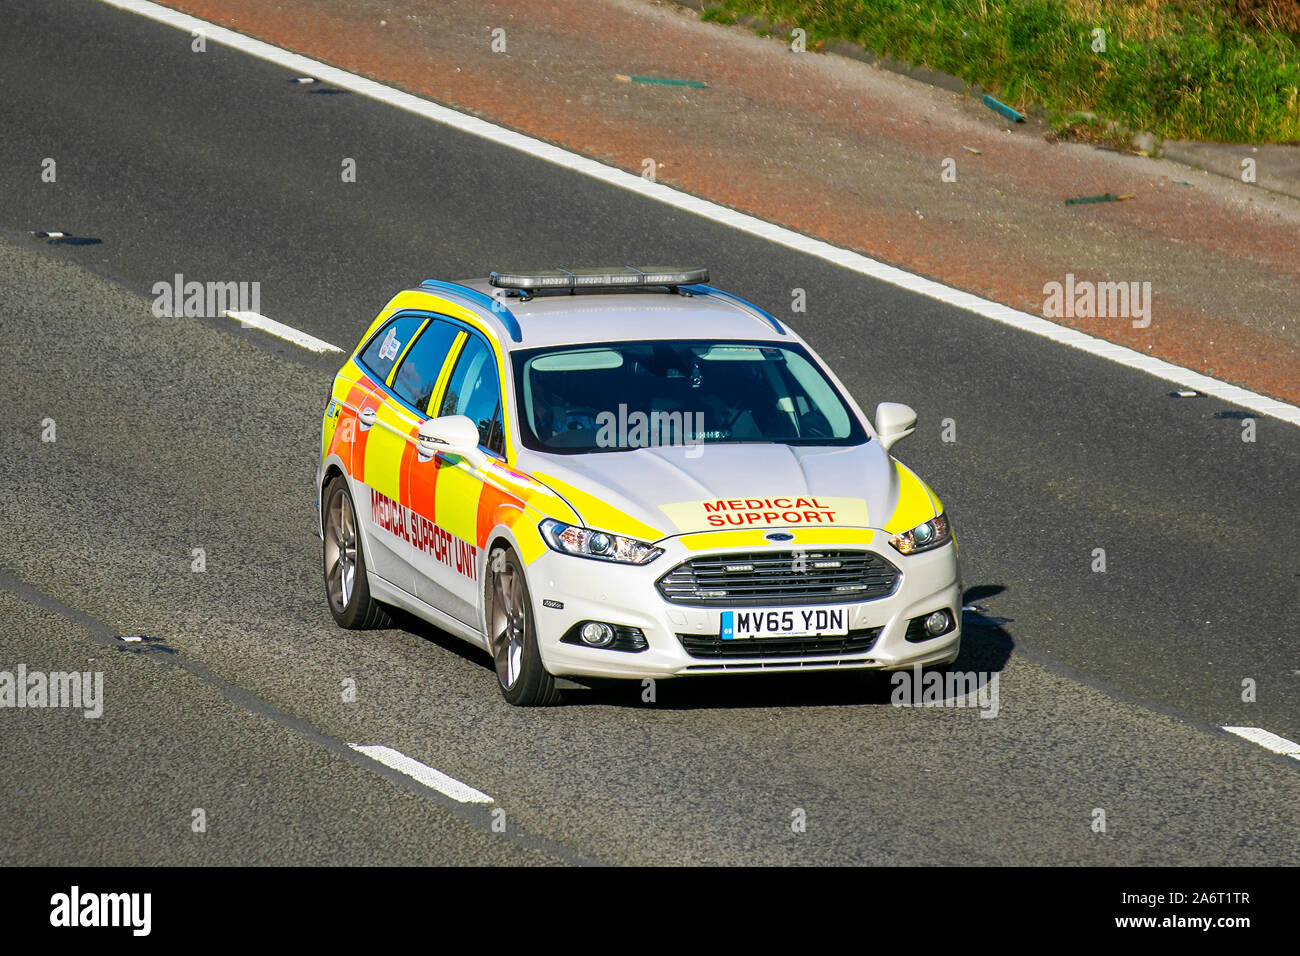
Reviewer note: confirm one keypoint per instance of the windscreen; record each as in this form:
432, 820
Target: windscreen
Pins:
623, 395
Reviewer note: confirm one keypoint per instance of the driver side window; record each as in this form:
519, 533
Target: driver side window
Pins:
475, 391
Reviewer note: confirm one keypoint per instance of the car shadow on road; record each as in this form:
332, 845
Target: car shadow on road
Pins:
405, 621
985, 649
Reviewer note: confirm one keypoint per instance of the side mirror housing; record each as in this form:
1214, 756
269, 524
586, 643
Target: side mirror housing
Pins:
451, 435
894, 421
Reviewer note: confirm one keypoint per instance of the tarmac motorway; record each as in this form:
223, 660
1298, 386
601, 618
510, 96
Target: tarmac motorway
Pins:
177, 434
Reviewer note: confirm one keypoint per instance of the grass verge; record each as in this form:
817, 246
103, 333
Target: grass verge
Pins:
1214, 70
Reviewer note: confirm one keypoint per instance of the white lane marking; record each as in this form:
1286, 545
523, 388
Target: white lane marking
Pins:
853, 261
1269, 741
287, 332
426, 775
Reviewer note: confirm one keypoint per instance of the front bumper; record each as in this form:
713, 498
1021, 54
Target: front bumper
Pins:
626, 595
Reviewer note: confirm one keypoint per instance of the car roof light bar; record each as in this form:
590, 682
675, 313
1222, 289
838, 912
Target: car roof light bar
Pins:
617, 277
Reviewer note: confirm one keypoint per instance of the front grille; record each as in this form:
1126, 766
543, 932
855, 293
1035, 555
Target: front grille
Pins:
711, 645
775, 578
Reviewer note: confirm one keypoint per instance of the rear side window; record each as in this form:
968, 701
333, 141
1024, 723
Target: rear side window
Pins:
419, 372
387, 346
474, 391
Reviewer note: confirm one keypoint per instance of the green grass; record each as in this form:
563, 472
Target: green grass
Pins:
1188, 69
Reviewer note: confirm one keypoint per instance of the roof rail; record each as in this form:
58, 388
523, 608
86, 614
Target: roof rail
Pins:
481, 299
709, 290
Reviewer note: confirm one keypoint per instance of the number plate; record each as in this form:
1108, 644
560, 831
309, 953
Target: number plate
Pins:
785, 622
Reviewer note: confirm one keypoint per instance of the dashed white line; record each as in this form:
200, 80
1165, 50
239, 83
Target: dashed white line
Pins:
287, 332
434, 779
301, 65
1267, 740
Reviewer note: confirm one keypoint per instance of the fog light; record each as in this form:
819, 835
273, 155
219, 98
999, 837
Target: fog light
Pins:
597, 634
936, 624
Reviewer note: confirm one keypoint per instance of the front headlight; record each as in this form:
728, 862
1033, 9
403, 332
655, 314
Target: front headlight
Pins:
585, 543
931, 534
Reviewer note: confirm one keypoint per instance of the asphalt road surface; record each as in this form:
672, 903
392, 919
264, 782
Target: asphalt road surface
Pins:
177, 434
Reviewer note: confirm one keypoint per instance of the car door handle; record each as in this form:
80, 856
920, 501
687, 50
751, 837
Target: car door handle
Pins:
367, 416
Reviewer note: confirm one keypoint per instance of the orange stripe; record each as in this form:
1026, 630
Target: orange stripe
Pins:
359, 444
490, 512
345, 432
423, 493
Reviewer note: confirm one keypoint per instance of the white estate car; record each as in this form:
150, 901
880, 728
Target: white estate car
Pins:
625, 473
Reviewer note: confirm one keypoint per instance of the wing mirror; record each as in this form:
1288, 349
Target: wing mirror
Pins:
894, 421
451, 435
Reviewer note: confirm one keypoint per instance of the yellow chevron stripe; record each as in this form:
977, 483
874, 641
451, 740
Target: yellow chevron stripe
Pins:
915, 503
600, 514
383, 469
456, 505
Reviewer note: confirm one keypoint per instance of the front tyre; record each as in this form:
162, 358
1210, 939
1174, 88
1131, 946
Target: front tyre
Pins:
346, 586
512, 634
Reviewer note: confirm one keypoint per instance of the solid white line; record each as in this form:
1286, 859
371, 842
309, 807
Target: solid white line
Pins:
426, 775
1269, 741
287, 332
853, 261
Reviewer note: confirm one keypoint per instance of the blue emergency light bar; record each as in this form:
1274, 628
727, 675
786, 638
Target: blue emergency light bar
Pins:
618, 277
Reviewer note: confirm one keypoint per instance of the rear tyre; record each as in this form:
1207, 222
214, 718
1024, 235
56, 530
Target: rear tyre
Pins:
512, 634
347, 590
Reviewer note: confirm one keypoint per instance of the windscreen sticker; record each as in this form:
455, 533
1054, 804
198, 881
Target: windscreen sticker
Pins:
390, 346
766, 512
